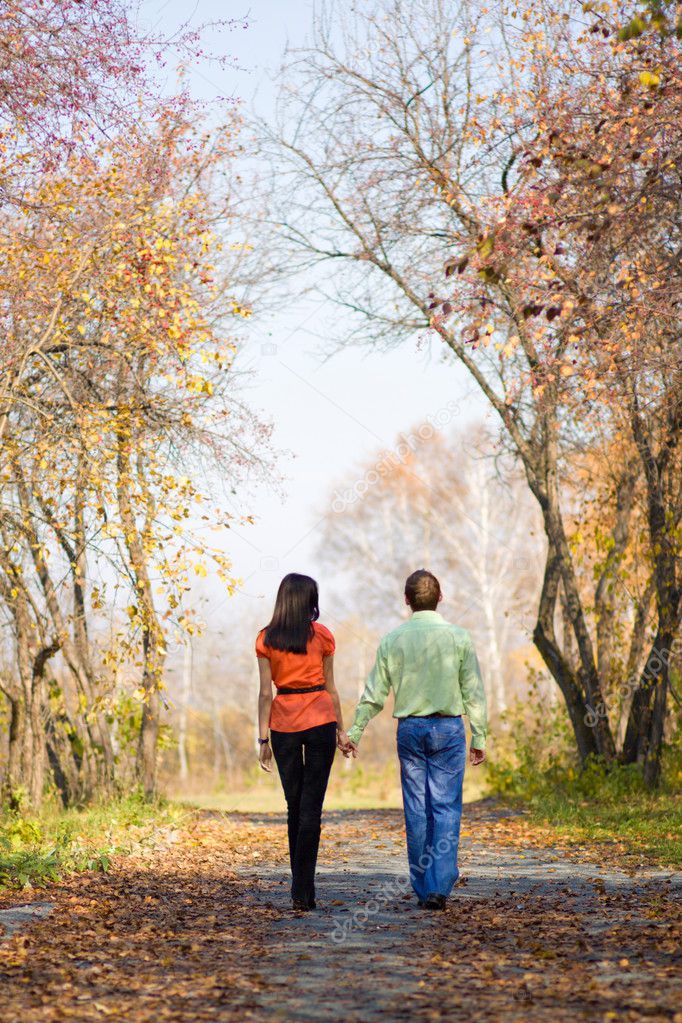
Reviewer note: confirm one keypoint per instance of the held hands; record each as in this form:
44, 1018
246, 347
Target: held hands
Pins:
346, 746
476, 756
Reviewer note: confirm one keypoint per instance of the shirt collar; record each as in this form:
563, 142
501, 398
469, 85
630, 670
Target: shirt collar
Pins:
420, 615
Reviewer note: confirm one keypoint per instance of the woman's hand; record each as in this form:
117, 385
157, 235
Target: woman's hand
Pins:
345, 745
265, 757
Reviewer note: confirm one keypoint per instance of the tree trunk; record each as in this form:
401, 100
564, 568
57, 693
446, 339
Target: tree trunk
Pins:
605, 602
145, 764
38, 747
647, 717
65, 763
96, 724
652, 764
545, 640
582, 689
589, 681
17, 727
152, 633
184, 706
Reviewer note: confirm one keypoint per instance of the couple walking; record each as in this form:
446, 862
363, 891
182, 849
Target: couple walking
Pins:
432, 670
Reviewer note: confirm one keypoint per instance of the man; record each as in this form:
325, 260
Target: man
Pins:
432, 668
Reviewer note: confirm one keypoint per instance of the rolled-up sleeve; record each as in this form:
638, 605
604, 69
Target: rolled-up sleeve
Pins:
377, 688
473, 695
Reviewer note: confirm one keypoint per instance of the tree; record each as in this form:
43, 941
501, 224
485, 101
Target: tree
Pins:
118, 321
440, 148
74, 73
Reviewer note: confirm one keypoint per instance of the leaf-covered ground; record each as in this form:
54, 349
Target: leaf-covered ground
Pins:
199, 928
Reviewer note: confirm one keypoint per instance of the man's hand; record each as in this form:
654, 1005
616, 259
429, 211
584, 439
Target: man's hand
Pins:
476, 756
345, 745
265, 757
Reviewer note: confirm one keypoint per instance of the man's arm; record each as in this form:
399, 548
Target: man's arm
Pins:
473, 696
377, 688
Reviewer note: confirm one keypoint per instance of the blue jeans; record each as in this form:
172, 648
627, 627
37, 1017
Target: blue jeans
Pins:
432, 753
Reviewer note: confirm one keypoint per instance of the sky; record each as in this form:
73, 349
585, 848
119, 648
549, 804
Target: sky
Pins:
330, 415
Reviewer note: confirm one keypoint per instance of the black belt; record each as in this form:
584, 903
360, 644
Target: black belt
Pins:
304, 689
435, 715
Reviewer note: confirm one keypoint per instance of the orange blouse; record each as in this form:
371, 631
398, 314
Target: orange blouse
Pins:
294, 712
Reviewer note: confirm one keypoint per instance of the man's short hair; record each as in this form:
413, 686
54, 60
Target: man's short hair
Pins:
422, 590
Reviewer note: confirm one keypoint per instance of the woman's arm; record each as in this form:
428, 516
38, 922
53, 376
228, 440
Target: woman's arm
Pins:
328, 668
264, 706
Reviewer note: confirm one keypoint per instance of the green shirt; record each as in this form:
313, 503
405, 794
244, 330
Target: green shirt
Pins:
432, 668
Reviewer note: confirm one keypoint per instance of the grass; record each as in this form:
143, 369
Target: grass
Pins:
648, 825
38, 849
602, 803
593, 806
352, 786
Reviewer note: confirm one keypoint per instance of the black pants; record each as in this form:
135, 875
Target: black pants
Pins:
304, 760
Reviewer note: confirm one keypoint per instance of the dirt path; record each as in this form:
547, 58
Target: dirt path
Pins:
201, 929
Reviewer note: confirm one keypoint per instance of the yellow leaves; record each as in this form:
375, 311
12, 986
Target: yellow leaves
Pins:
200, 385
485, 247
240, 310
200, 570
650, 79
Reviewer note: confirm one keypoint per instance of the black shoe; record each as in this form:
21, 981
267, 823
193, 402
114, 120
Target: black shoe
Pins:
303, 906
434, 902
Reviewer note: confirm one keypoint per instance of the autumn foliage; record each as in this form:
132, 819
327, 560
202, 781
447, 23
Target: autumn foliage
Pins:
577, 265
116, 410
517, 200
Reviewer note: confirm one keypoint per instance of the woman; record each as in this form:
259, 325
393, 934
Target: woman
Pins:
297, 653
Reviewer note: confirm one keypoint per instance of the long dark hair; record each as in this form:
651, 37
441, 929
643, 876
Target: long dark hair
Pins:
296, 608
